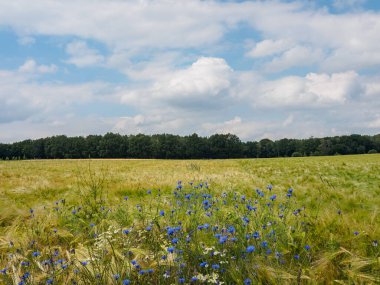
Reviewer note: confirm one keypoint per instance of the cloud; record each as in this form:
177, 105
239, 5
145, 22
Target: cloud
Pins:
81, 55
31, 66
22, 98
202, 85
297, 56
26, 41
269, 47
312, 91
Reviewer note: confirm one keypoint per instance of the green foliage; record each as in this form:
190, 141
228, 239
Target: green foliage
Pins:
167, 146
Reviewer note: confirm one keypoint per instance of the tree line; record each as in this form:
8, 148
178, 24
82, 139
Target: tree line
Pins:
167, 146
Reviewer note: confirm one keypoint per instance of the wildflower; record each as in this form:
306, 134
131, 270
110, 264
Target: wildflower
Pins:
126, 282
25, 276
116, 276
273, 197
181, 280
264, 244
215, 266
223, 239
203, 264
356, 233
270, 187
74, 212
149, 228
247, 281
49, 281
231, 229
149, 192
25, 263
134, 262
84, 263
250, 249
164, 257
92, 225
194, 279
175, 240
307, 247
126, 232
296, 257
4, 271
171, 249
126, 198
36, 253
162, 213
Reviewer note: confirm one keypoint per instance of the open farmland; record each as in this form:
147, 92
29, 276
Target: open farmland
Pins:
272, 221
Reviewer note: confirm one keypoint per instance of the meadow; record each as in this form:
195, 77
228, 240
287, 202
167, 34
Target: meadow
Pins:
311, 220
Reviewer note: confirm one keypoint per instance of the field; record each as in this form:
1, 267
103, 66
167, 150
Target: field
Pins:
259, 221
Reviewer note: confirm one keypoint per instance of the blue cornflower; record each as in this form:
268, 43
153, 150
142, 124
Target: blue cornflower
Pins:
171, 249
250, 249
356, 233
126, 232
194, 279
126, 282
181, 280
215, 266
247, 281
149, 192
126, 198
84, 263
296, 257
134, 262
36, 253
49, 281
273, 197
307, 247
149, 228
175, 240
164, 257
231, 229
4, 271
203, 264
116, 276
162, 213
264, 244
223, 239
25, 276
92, 225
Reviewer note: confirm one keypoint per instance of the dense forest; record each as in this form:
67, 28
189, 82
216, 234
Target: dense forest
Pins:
181, 147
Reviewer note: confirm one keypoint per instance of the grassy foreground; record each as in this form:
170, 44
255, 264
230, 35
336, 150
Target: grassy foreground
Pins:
132, 222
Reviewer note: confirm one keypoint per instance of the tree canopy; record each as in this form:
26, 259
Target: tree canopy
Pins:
168, 146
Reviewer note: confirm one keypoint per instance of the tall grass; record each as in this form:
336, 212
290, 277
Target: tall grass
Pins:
232, 228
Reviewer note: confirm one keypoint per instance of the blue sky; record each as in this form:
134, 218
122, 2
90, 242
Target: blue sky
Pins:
254, 68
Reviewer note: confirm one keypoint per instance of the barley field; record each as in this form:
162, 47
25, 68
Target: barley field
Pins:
311, 220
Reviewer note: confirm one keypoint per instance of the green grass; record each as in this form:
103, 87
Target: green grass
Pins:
323, 186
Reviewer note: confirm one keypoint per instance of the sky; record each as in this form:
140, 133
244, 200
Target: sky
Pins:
257, 69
